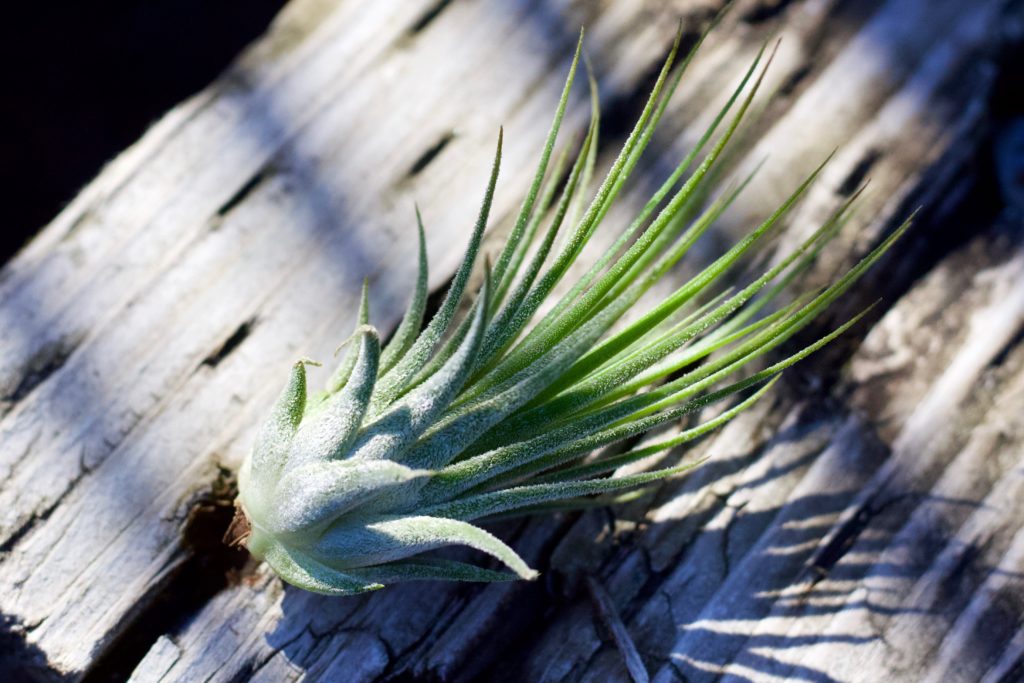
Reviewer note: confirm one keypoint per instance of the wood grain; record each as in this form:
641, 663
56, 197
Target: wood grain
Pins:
864, 524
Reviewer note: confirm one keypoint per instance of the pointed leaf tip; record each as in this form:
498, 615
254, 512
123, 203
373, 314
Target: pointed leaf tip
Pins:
398, 538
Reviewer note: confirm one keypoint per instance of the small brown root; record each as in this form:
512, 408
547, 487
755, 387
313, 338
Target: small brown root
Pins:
239, 530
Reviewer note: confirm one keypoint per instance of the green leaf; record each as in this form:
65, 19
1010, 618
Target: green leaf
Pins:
505, 256
485, 504
348, 361
522, 246
467, 422
582, 434
388, 435
563, 443
262, 468
312, 496
582, 384
391, 384
598, 207
328, 432
566, 318
299, 569
509, 320
609, 464
397, 538
409, 328
430, 569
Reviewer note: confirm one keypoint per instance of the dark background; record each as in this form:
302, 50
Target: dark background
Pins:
81, 81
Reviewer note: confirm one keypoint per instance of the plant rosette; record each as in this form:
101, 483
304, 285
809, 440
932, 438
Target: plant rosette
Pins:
413, 442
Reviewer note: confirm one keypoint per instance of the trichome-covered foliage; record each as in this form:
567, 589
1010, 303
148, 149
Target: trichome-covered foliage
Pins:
411, 443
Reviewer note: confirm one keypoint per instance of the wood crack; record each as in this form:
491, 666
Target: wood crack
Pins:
43, 364
39, 517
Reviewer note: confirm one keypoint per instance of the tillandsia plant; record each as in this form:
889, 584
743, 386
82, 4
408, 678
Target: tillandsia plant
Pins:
351, 488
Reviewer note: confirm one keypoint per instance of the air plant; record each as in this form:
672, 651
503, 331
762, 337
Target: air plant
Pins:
350, 489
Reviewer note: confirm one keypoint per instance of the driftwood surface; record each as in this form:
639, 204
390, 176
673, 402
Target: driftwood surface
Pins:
865, 524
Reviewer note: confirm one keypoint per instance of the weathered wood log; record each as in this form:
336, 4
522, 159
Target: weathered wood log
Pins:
865, 524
